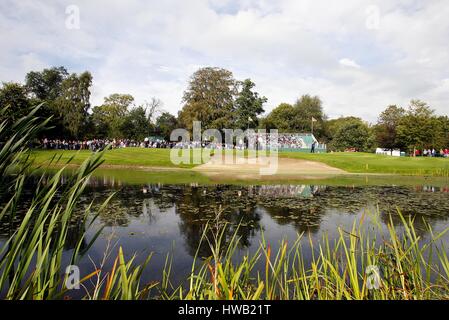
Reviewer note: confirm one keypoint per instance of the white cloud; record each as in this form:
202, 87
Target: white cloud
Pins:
349, 63
288, 48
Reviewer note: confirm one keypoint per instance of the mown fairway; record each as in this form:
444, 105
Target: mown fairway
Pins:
350, 162
372, 163
117, 157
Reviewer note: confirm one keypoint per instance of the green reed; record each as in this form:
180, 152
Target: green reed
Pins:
337, 269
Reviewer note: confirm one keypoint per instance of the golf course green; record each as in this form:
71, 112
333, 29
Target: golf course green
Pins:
358, 163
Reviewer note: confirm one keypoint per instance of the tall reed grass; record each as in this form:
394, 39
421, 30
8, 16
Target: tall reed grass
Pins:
408, 267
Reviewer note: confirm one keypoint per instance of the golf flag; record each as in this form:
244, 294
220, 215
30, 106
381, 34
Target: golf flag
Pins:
313, 120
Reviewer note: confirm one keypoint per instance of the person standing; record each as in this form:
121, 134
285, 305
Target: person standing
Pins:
313, 147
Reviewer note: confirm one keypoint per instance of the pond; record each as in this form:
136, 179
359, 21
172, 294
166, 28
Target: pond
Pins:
170, 219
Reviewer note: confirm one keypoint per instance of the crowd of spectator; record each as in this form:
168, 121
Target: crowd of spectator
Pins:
291, 142
432, 189
286, 141
204, 144
100, 144
432, 153
88, 144
258, 141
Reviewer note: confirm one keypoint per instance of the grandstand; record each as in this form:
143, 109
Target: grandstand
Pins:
300, 142
294, 142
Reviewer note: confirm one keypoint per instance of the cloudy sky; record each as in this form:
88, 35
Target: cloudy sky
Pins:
358, 56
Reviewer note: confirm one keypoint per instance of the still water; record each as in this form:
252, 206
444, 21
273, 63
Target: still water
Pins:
170, 219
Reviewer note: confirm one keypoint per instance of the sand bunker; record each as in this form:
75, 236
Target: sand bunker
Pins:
286, 169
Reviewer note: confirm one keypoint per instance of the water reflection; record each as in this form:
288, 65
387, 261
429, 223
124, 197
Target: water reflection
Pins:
153, 217
302, 207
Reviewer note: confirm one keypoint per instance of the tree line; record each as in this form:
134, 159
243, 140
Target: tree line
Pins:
214, 97
65, 98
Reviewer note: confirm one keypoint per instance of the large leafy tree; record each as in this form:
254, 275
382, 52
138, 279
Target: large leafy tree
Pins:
135, 124
46, 85
209, 98
248, 106
334, 125
165, 124
386, 127
109, 118
353, 133
439, 134
74, 103
280, 118
416, 130
13, 98
306, 108
298, 117
442, 123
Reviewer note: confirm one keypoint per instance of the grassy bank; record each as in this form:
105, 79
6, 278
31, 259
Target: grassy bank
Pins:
117, 157
145, 176
350, 162
380, 164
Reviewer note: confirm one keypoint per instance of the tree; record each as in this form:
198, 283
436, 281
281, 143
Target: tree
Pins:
74, 103
353, 134
416, 130
298, 117
165, 124
13, 97
443, 126
280, 118
334, 125
248, 106
439, 135
386, 127
306, 108
209, 98
46, 85
420, 109
152, 108
109, 118
195, 111
135, 124
99, 122
121, 101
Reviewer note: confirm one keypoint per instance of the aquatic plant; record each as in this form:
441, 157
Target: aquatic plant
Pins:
360, 264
